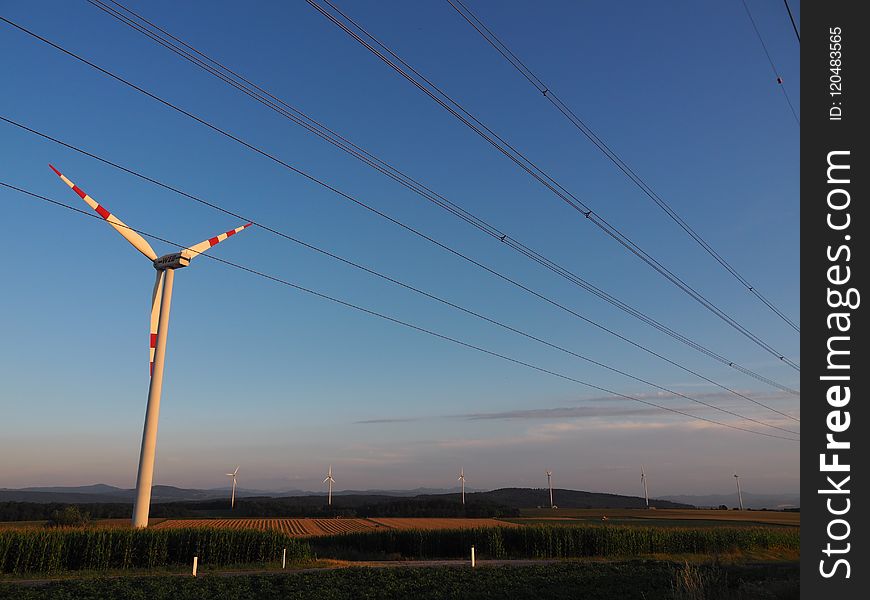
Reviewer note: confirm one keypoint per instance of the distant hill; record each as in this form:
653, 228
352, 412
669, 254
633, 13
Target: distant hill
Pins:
756, 501
102, 493
104, 501
53, 497
532, 498
98, 488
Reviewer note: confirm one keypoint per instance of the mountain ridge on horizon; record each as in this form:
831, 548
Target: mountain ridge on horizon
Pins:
516, 497
104, 493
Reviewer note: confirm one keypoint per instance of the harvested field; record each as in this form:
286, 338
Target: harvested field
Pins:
432, 523
292, 527
320, 527
332, 526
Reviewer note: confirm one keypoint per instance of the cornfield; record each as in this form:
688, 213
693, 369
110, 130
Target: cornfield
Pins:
53, 551
545, 541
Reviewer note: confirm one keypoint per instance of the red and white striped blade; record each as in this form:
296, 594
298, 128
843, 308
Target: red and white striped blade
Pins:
128, 234
156, 299
201, 247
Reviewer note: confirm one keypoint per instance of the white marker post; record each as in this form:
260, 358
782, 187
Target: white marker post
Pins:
284, 559
195, 559
472, 557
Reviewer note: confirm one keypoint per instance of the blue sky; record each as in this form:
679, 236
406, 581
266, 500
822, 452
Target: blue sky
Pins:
284, 383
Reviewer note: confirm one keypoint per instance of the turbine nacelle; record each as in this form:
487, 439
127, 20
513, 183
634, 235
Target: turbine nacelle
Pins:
176, 260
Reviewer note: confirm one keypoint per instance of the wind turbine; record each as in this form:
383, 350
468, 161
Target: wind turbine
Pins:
462, 479
331, 481
739, 493
233, 497
643, 481
550, 485
160, 302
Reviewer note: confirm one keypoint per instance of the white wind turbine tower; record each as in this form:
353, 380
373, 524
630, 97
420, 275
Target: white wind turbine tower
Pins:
462, 479
550, 485
160, 302
643, 481
233, 497
739, 493
331, 481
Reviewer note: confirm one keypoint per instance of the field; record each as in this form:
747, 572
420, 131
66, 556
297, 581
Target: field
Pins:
323, 527
302, 527
420, 558
310, 527
626, 580
290, 527
58, 550
430, 523
667, 517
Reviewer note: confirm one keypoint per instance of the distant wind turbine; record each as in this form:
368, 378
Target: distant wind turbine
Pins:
739, 493
462, 479
160, 301
331, 481
643, 481
550, 485
233, 497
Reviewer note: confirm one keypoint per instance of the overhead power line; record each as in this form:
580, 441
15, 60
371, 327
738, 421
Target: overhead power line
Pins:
770, 60
431, 296
793, 24
487, 34
454, 108
397, 321
219, 70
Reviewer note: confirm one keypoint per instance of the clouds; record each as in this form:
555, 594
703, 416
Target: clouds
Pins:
614, 408
576, 412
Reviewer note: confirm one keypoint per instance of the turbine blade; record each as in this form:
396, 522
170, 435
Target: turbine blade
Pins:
128, 234
236, 471
197, 249
156, 299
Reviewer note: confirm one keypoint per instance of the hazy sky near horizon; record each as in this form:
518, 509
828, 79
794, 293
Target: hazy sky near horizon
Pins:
283, 383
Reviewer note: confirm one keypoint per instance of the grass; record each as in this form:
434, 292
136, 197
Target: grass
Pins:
625, 580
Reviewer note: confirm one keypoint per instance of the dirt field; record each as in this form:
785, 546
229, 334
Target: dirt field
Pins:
637, 515
294, 527
307, 527
318, 527
427, 523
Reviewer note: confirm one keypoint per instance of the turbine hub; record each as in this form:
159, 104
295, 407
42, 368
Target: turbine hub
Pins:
176, 260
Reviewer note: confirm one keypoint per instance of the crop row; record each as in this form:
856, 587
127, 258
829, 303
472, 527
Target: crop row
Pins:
291, 527
544, 541
48, 551
51, 551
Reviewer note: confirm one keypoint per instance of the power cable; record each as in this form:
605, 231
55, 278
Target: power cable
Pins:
793, 24
410, 287
406, 324
536, 172
487, 34
372, 209
770, 60
343, 143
